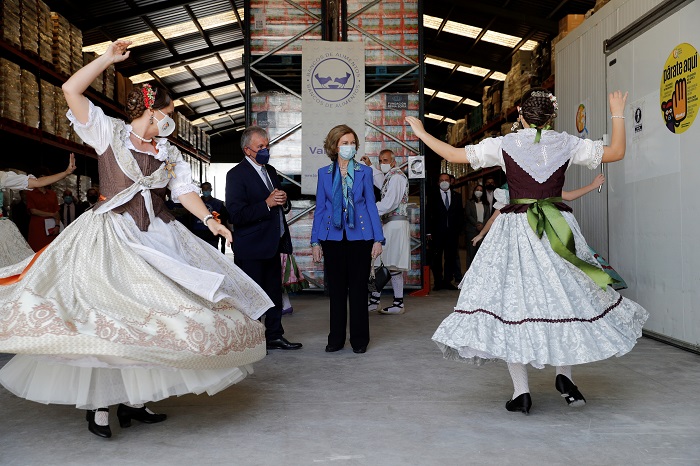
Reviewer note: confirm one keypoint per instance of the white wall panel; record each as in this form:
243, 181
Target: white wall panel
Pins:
654, 220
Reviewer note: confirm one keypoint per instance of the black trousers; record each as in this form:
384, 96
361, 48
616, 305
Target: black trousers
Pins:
443, 246
268, 274
207, 236
347, 271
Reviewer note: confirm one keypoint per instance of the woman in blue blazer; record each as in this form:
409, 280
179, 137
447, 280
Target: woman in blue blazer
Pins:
348, 231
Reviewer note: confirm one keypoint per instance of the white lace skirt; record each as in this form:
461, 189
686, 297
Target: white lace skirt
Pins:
13, 247
396, 254
522, 303
153, 313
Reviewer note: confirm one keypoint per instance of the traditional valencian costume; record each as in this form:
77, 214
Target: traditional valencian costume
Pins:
143, 309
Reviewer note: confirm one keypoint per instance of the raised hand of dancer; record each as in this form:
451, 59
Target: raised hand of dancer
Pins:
117, 50
71, 164
444, 150
617, 102
616, 150
51, 179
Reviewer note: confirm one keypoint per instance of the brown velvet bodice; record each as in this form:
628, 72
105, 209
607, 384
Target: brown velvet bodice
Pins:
113, 180
522, 186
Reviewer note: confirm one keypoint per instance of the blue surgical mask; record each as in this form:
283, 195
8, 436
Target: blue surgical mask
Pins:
262, 156
206, 193
347, 152
68, 199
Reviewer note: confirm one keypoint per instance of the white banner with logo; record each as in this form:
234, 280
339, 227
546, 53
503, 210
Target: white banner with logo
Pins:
333, 93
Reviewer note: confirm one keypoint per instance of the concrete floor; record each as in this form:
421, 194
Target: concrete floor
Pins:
400, 403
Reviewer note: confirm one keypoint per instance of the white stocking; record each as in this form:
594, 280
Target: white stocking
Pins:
518, 372
565, 371
102, 418
397, 284
285, 301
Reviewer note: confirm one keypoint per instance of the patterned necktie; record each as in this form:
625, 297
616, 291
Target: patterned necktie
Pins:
266, 177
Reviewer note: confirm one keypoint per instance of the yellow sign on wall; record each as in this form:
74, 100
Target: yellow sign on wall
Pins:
679, 88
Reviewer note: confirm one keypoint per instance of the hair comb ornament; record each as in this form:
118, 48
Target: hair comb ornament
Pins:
149, 95
549, 95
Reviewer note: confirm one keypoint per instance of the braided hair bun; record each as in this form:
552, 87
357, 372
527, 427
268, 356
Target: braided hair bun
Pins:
539, 107
136, 103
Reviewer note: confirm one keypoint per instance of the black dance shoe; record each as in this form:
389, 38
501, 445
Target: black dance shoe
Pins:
100, 431
126, 413
522, 403
360, 350
569, 391
333, 349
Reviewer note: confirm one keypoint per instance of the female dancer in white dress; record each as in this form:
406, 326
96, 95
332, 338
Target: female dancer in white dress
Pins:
145, 309
13, 246
535, 294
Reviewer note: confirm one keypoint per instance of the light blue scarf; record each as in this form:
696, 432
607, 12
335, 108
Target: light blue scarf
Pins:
342, 195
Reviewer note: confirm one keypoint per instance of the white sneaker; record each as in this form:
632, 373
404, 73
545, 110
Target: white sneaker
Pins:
395, 309
373, 303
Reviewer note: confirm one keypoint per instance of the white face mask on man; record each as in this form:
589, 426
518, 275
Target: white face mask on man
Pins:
444, 185
385, 167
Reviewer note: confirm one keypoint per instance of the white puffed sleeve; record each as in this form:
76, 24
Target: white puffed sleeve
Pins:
502, 198
487, 153
182, 182
12, 180
97, 132
588, 153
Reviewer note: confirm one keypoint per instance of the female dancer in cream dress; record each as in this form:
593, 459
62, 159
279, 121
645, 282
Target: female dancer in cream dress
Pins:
144, 309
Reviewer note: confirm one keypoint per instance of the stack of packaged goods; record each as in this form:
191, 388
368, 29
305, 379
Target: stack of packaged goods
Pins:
10, 22
63, 128
98, 83
475, 119
394, 22
273, 22
109, 82
124, 86
542, 61
48, 107
567, 24
518, 80
29, 16
45, 31
67, 45
29, 88
487, 106
278, 112
10, 90
388, 111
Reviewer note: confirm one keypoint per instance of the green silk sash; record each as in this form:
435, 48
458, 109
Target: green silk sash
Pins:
544, 217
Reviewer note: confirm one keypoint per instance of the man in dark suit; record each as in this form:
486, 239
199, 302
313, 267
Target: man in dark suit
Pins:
256, 207
445, 222
70, 209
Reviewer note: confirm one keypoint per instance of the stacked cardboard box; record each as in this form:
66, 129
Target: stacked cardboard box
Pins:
62, 125
29, 99
10, 21
67, 45
48, 107
45, 31
10, 90
29, 15
568, 23
518, 80
273, 22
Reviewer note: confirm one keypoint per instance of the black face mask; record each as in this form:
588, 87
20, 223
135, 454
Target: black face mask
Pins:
92, 199
490, 187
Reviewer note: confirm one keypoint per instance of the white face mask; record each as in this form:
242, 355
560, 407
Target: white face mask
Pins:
166, 126
478, 194
347, 152
444, 185
385, 167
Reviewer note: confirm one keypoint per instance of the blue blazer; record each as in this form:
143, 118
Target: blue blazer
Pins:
256, 229
368, 225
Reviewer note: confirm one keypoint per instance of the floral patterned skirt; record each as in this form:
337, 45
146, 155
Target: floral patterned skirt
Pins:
292, 279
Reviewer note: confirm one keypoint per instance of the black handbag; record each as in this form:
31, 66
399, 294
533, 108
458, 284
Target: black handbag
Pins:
379, 277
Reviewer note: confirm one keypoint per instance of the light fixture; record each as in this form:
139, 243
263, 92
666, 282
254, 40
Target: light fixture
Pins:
473, 32
194, 64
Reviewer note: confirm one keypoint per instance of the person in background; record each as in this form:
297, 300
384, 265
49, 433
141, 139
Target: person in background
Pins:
20, 215
42, 204
92, 197
69, 209
214, 205
348, 232
477, 209
393, 210
257, 205
292, 281
13, 246
457, 267
445, 222
489, 186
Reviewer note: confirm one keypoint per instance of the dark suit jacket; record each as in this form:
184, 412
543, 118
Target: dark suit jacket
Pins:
443, 222
256, 229
78, 212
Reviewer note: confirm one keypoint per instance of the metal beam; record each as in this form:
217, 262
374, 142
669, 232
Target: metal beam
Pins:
97, 22
451, 53
217, 110
211, 87
155, 64
541, 24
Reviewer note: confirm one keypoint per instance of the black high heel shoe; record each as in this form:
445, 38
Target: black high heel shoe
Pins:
521, 403
100, 431
126, 413
569, 391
